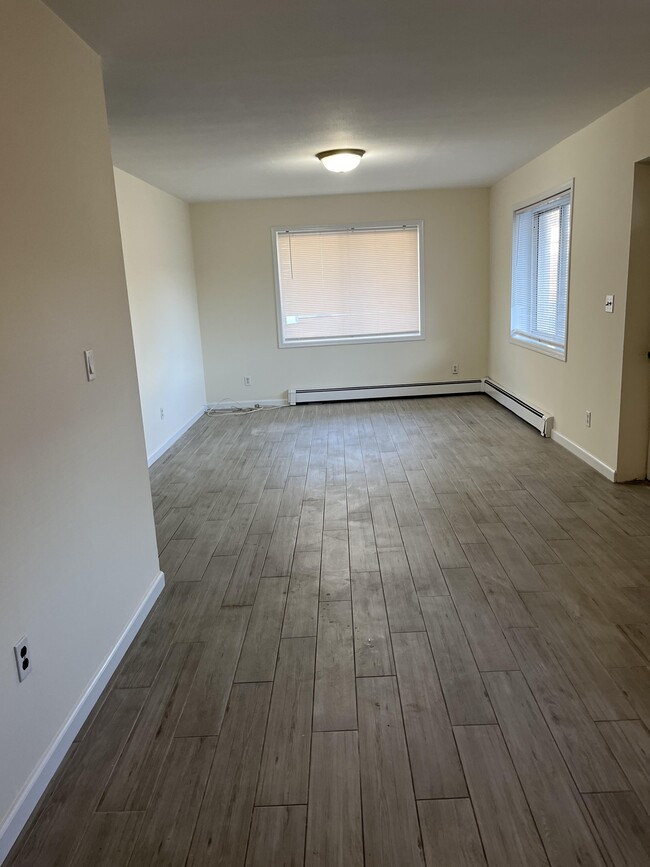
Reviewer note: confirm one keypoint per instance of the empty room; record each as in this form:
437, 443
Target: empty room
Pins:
325, 400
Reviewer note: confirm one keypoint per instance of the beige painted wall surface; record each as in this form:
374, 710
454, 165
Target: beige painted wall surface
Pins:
234, 268
158, 260
635, 396
76, 523
601, 158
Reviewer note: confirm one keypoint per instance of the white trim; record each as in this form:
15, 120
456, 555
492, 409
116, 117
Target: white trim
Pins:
584, 455
529, 341
350, 341
551, 193
366, 392
538, 346
160, 451
276, 231
46, 768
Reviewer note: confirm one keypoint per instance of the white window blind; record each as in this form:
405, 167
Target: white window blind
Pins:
540, 274
348, 285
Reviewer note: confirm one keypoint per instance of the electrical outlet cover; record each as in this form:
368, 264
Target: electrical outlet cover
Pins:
23, 658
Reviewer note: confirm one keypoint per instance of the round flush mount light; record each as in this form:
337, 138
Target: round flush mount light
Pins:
341, 159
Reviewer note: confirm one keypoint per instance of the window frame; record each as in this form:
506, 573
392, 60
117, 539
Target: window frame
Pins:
347, 341
537, 344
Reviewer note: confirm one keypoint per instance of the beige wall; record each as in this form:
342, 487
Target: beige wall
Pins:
601, 157
76, 524
635, 395
157, 246
234, 268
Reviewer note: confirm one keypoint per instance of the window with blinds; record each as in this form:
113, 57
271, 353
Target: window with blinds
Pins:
540, 274
352, 284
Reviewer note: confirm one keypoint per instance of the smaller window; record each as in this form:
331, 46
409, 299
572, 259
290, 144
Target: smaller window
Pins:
540, 273
348, 284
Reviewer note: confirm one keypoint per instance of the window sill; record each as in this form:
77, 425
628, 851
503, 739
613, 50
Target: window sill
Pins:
344, 341
539, 346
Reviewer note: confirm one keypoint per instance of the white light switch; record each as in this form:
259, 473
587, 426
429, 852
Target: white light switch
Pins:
609, 303
89, 357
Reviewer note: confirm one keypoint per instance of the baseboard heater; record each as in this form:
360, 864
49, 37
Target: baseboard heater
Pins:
535, 417
368, 392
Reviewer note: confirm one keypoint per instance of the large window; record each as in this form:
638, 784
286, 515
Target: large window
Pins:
540, 273
352, 284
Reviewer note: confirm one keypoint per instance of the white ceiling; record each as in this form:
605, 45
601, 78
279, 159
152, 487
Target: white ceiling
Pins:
223, 99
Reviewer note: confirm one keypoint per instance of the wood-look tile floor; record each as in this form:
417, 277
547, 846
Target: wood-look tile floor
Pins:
393, 633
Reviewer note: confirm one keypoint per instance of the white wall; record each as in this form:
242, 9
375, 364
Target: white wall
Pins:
601, 157
158, 259
234, 269
76, 524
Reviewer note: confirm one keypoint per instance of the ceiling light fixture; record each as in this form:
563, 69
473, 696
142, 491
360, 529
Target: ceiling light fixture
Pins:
341, 159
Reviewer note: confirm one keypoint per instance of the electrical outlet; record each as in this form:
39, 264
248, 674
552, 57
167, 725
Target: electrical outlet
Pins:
248, 380
588, 418
455, 368
23, 658
162, 414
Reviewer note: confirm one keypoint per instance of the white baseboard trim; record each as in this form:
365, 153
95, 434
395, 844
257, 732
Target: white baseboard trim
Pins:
159, 452
46, 768
584, 455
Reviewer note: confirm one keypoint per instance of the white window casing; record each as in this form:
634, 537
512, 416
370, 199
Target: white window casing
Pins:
541, 246
349, 284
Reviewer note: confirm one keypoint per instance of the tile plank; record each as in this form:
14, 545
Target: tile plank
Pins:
248, 570
334, 830
449, 552
449, 833
335, 703
485, 636
629, 741
134, 776
624, 827
301, 612
284, 771
467, 700
384, 521
363, 551
585, 752
372, 643
208, 696
427, 575
109, 840
518, 567
402, 603
435, 765
554, 801
509, 834
166, 834
260, 648
222, 827
498, 588
53, 838
390, 824
603, 699
277, 837
281, 548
